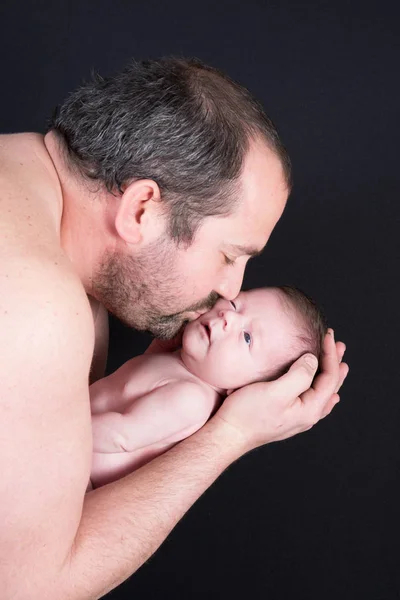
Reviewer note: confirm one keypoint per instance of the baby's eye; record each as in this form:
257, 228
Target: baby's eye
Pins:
233, 304
247, 337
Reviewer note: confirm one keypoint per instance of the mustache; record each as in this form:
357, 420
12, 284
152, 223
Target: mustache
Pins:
206, 304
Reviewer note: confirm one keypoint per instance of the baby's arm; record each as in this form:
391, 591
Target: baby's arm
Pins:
167, 414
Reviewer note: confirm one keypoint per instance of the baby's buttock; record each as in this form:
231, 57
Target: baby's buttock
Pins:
110, 467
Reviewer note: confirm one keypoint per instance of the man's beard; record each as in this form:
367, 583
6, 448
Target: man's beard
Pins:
138, 290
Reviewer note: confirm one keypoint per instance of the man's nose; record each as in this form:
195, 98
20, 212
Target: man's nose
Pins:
229, 287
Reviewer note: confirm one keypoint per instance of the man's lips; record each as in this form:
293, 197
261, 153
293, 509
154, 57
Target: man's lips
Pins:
195, 314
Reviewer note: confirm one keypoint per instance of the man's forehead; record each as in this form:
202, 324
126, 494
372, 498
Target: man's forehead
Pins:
248, 230
263, 192
244, 234
234, 233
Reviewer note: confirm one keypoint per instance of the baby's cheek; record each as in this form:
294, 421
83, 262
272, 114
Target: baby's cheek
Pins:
224, 370
239, 371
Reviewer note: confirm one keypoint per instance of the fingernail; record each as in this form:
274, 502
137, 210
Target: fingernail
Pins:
311, 360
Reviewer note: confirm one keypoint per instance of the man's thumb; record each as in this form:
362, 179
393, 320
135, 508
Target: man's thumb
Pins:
299, 377
310, 361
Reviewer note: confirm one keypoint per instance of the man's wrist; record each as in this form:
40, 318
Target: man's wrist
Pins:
227, 437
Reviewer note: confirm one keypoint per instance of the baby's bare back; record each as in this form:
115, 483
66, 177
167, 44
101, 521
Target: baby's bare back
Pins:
118, 392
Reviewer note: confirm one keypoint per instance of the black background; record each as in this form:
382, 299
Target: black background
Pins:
316, 516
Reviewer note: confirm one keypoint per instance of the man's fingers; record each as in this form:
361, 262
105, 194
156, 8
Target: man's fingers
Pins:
343, 372
325, 383
330, 379
340, 350
297, 379
310, 404
335, 398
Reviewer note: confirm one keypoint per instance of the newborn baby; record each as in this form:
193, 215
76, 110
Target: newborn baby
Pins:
153, 401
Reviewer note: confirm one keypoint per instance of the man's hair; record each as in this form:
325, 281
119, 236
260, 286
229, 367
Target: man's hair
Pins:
179, 122
310, 323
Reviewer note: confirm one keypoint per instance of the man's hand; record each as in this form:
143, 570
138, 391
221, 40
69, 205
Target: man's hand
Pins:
261, 413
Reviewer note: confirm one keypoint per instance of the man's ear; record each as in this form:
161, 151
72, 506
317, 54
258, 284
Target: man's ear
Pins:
138, 216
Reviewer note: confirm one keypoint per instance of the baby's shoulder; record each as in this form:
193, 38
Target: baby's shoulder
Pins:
161, 367
170, 371
150, 371
189, 399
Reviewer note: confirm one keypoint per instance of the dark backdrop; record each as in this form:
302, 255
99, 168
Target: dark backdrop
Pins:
314, 517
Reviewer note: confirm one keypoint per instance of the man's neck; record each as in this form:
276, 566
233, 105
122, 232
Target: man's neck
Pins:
82, 217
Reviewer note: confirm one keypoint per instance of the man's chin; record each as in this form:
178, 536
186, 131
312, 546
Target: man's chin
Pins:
163, 327
167, 328
166, 331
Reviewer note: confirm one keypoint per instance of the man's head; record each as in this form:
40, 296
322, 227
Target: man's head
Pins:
256, 337
195, 167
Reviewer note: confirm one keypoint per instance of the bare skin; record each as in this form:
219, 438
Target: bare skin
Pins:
78, 546
154, 401
142, 410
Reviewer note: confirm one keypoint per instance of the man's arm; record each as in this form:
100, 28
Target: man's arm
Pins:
77, 546
124, 523
46, 346
167, 414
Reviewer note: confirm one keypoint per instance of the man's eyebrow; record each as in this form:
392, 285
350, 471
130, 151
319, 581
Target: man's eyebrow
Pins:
248, 250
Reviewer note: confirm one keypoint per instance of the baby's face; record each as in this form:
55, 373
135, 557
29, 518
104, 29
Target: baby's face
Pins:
234, 343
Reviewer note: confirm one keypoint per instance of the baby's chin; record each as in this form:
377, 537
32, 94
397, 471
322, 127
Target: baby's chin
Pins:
198, 369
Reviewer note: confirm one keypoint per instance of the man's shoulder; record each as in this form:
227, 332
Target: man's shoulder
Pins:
22, 150
14, 140
41, 295
19, 146
37, 278
30, 192
34, 268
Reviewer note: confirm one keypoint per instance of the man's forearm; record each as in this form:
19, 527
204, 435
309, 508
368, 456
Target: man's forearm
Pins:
124, 523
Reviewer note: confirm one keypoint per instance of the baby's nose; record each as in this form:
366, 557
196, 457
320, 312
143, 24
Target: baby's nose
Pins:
227, 316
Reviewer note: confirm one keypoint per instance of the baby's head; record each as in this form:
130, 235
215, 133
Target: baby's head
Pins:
254, 338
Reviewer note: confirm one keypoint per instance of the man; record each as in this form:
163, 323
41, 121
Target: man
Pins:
148, 195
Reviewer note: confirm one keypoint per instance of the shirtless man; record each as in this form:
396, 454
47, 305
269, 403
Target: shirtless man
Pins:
172, 180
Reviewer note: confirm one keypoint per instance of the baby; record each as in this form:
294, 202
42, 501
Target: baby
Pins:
153, 401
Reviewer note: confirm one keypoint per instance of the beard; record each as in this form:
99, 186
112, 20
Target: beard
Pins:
143, 291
